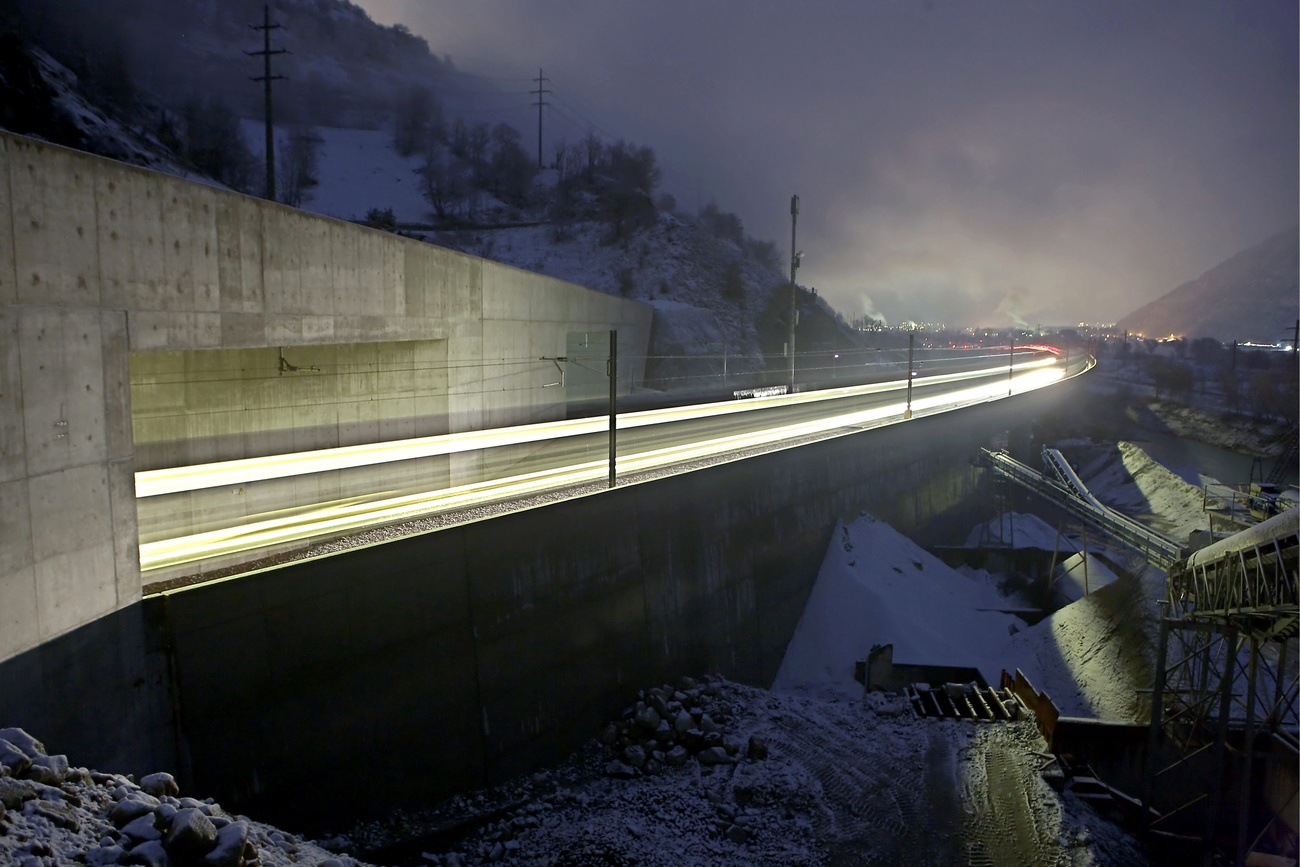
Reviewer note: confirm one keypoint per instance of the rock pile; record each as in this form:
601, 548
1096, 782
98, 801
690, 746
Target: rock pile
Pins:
53, 813
679, 779
670, 726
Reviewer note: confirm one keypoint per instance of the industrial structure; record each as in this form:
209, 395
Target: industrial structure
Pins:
1221, 757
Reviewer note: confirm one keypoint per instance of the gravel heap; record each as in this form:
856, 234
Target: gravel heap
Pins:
678, 779
668, 727
784, 779
52, 813
695, 774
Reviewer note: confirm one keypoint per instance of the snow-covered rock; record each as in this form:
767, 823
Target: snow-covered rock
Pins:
102, 819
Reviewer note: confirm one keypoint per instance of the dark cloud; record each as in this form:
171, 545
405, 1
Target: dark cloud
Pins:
1079, 158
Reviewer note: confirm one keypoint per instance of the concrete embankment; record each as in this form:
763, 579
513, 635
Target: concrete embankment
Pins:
483, 650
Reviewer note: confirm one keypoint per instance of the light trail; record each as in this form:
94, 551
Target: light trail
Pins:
338, 518
154, 483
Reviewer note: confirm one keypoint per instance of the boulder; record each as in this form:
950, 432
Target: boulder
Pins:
677, 756
646, 718
142, 829
634, 755
60, 815
50, 770
160, 784
30, 746
130, 808
757, 748
105, 856
191, 834
14, 792
229, 848
683, 723
148, 854
14, 759
713, 756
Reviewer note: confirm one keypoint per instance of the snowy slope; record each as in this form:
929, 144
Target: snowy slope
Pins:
1124, 477
44, 99
876, 586
359, 170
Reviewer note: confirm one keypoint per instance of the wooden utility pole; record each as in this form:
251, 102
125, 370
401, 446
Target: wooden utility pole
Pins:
540, 79
266, 78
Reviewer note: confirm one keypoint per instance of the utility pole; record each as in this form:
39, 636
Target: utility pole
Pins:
794, 266
266, 78
1295, 354
613, 407
1011, 364
911, 372
540, 79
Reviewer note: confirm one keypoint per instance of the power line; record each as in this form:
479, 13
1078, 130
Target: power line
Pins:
266, 78
539, 92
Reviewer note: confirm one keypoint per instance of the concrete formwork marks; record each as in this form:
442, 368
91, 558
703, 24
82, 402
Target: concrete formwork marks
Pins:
100, 262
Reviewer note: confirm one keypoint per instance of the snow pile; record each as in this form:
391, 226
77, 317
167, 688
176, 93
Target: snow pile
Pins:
1022, 530
52, 813
876, 586
1093, 655
1080, 574
1127, 479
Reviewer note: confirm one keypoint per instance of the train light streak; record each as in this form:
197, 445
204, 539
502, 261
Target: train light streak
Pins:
307, 522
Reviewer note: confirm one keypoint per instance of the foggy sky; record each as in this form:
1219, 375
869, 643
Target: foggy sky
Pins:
969, 162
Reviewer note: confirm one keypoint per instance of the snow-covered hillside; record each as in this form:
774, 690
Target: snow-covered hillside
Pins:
44, 99
708, 293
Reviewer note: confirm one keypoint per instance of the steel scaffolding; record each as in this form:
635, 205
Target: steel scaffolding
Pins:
1224, 708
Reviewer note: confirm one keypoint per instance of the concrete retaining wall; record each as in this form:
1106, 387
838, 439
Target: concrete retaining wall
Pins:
435, 663
100, 261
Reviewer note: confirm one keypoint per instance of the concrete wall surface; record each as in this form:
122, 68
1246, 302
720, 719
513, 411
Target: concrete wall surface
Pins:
478, 652
100, 261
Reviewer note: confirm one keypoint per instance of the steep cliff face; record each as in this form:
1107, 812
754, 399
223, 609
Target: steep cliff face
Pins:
1254, 296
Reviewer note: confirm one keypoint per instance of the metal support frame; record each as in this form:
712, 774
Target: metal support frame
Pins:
1226, 692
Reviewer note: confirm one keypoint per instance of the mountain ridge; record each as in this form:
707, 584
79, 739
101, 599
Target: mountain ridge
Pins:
1252, 296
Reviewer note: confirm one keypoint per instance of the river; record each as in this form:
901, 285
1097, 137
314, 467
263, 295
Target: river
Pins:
1188, 458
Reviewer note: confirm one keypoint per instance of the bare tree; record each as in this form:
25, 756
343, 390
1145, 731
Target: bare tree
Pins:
299, 165
417, 122
593, 153
214, 145
444, 181
511, 171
